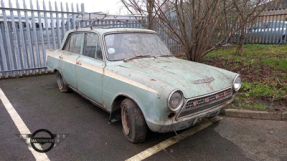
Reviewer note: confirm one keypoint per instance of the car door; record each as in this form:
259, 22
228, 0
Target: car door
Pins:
267, 32
277, 35
71, 52
89, 68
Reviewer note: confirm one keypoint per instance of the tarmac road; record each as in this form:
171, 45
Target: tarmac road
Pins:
41, 106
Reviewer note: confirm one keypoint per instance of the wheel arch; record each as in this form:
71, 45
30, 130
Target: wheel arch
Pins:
115, 113
58, 70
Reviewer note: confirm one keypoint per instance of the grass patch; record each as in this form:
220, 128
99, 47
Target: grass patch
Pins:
264, 72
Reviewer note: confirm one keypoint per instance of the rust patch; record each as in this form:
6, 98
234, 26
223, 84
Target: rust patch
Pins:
158, 96
104, 101
152, 80
161, 73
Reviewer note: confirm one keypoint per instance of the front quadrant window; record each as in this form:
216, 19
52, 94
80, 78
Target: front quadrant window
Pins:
126, 45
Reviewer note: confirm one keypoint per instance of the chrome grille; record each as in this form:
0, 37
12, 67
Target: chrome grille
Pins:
202, 103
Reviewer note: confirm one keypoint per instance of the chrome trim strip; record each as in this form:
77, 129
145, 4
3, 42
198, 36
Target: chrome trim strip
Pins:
192, 98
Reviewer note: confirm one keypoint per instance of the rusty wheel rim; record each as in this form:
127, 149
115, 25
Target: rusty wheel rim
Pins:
125, 121
60, 81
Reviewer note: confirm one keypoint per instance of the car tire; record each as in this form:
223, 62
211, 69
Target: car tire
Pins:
281, 41
62, 85
133, 122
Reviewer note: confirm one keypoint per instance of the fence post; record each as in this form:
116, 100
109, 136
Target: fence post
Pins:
35, 37
42, 37
83, 11
3, 55
19, 64
68, 18
22, 39
63, 22
52, 26
46, 25
8, 40
57, 25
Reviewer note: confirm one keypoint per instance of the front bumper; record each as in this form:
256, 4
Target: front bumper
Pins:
175, 125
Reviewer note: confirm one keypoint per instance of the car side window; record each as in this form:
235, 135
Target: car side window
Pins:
92, 46
74, 43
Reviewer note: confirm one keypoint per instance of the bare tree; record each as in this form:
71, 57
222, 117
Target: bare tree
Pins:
150, 8
142, 7
248, 11
200, 26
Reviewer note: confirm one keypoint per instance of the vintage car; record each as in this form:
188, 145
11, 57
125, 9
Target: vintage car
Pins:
131, 74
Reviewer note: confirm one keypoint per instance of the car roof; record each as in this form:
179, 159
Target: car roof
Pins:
109, 30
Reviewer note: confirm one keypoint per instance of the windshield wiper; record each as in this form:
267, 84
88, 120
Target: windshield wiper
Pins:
138, 56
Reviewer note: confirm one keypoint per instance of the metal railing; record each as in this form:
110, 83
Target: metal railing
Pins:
26, 32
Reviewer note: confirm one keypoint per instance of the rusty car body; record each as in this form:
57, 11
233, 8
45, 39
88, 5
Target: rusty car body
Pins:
132, 75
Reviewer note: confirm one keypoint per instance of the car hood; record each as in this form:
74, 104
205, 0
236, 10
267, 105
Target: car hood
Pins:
187, 76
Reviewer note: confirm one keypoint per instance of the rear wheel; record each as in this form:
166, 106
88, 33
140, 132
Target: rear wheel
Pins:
63, 86
282, 40
133, 122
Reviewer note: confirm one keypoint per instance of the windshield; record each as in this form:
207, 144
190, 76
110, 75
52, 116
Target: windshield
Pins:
127, 45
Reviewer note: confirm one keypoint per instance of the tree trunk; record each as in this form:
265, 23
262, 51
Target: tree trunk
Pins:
150, 7
188, 54
241, 41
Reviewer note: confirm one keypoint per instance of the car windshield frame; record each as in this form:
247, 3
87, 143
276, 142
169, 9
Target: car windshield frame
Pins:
130, 32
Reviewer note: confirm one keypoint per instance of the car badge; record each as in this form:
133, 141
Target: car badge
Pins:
195, 103
205, 80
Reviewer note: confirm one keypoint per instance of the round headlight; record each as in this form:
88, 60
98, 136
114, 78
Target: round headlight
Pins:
237, 83
175, 100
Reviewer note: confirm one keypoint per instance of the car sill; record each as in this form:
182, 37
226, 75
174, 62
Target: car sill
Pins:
89, 99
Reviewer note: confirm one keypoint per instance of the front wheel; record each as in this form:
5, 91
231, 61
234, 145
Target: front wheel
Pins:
133, 122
